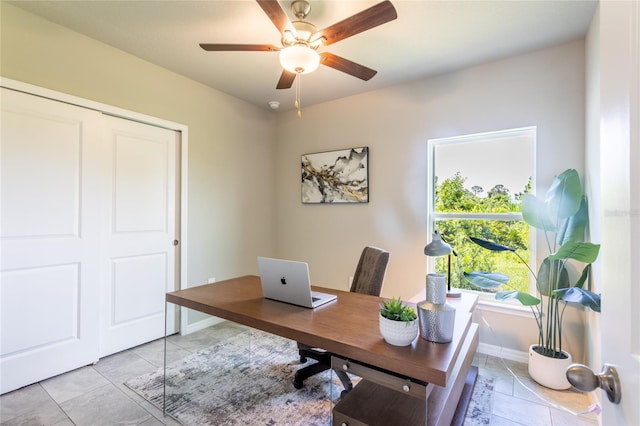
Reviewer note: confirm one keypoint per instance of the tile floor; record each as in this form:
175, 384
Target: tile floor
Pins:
515, 403
95, 395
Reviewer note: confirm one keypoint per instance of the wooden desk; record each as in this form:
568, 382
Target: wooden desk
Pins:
347, 327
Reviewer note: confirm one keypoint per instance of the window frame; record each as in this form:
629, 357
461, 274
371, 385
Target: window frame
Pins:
433, 216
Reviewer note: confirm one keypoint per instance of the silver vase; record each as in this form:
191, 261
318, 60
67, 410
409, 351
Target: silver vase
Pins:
436, 316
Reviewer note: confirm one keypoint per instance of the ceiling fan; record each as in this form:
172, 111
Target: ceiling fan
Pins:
301, 40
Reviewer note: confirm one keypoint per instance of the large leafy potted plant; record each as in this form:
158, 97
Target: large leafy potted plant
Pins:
562, 216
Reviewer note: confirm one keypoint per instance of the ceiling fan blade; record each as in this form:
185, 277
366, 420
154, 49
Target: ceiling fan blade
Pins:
369, 18
346, 66
239, 47
286, 80
277, 15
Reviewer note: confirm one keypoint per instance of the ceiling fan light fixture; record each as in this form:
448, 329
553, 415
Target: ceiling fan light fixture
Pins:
299, 59
304, 30
318, 42
288, 38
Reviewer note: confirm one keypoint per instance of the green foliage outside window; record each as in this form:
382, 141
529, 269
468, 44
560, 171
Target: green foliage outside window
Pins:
453, 197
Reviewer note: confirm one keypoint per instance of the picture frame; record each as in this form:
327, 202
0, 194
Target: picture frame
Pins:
336, 177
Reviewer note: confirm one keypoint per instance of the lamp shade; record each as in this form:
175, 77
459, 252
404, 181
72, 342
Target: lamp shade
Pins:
299, 59
437, 247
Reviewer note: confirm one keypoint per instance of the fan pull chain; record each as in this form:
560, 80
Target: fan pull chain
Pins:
296, 104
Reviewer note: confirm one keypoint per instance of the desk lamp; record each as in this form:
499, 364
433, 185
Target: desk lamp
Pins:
436, 316
436, 248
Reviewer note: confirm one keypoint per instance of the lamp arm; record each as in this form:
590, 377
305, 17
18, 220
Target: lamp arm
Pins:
449, 272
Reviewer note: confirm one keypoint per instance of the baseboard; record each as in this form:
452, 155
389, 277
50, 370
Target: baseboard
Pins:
500, 352
199, 325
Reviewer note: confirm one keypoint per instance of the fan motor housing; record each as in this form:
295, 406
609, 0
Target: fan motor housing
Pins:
300, 9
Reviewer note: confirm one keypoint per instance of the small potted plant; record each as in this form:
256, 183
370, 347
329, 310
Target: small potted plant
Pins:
562, 216
398, 322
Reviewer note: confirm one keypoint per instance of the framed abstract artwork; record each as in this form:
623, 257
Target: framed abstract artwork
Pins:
340, 176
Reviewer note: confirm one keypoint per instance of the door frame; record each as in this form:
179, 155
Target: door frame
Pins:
182, 208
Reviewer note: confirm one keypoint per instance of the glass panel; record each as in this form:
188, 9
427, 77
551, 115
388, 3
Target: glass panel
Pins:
203, 372
471, 257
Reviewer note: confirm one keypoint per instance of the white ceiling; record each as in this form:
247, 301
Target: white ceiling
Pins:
429, 37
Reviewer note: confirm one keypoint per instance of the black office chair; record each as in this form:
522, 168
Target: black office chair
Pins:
367, 279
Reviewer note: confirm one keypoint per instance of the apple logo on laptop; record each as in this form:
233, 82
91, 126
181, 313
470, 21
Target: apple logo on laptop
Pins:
283, 281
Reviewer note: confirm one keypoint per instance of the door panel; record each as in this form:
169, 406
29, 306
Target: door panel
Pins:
45, 175
139, 231
59, 283
50, 208
134, 285
141, 168
620, 186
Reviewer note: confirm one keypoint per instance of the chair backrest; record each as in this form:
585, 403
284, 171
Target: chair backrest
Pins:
370, 271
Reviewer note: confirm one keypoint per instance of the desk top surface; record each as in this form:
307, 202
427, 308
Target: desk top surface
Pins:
347, 326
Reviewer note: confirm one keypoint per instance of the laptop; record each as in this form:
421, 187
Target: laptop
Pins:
288, 281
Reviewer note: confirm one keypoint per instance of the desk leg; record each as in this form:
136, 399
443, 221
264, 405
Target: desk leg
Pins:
164, 365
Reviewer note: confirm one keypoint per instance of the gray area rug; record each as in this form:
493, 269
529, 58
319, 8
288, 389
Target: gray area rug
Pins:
481, 404
247, 380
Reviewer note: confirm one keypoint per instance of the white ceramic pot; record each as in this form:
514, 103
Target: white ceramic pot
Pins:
398, 333
549, 372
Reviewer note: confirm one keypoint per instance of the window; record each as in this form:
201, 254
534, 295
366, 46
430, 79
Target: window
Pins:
476, 184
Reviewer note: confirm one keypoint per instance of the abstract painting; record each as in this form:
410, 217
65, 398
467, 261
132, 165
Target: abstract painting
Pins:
336, 176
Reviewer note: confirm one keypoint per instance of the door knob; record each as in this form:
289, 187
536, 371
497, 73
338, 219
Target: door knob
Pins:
582, 378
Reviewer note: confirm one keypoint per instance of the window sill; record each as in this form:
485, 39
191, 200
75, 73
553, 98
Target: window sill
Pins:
486, 302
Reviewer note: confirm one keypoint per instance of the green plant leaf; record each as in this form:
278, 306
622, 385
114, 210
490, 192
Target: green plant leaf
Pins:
551, 278
525, 298
581, 296
407, 314
564, 196
583, 252
486, 279
395, 310
583, 276
572, 228
490, 245
534, 212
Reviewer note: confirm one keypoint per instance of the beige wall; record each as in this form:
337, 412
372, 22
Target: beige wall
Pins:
231, 143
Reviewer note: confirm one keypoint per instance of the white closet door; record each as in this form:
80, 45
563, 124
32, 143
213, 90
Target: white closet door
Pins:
50, 223
140, 230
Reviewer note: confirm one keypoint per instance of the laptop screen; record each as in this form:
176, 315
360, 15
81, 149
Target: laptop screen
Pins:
288, 281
